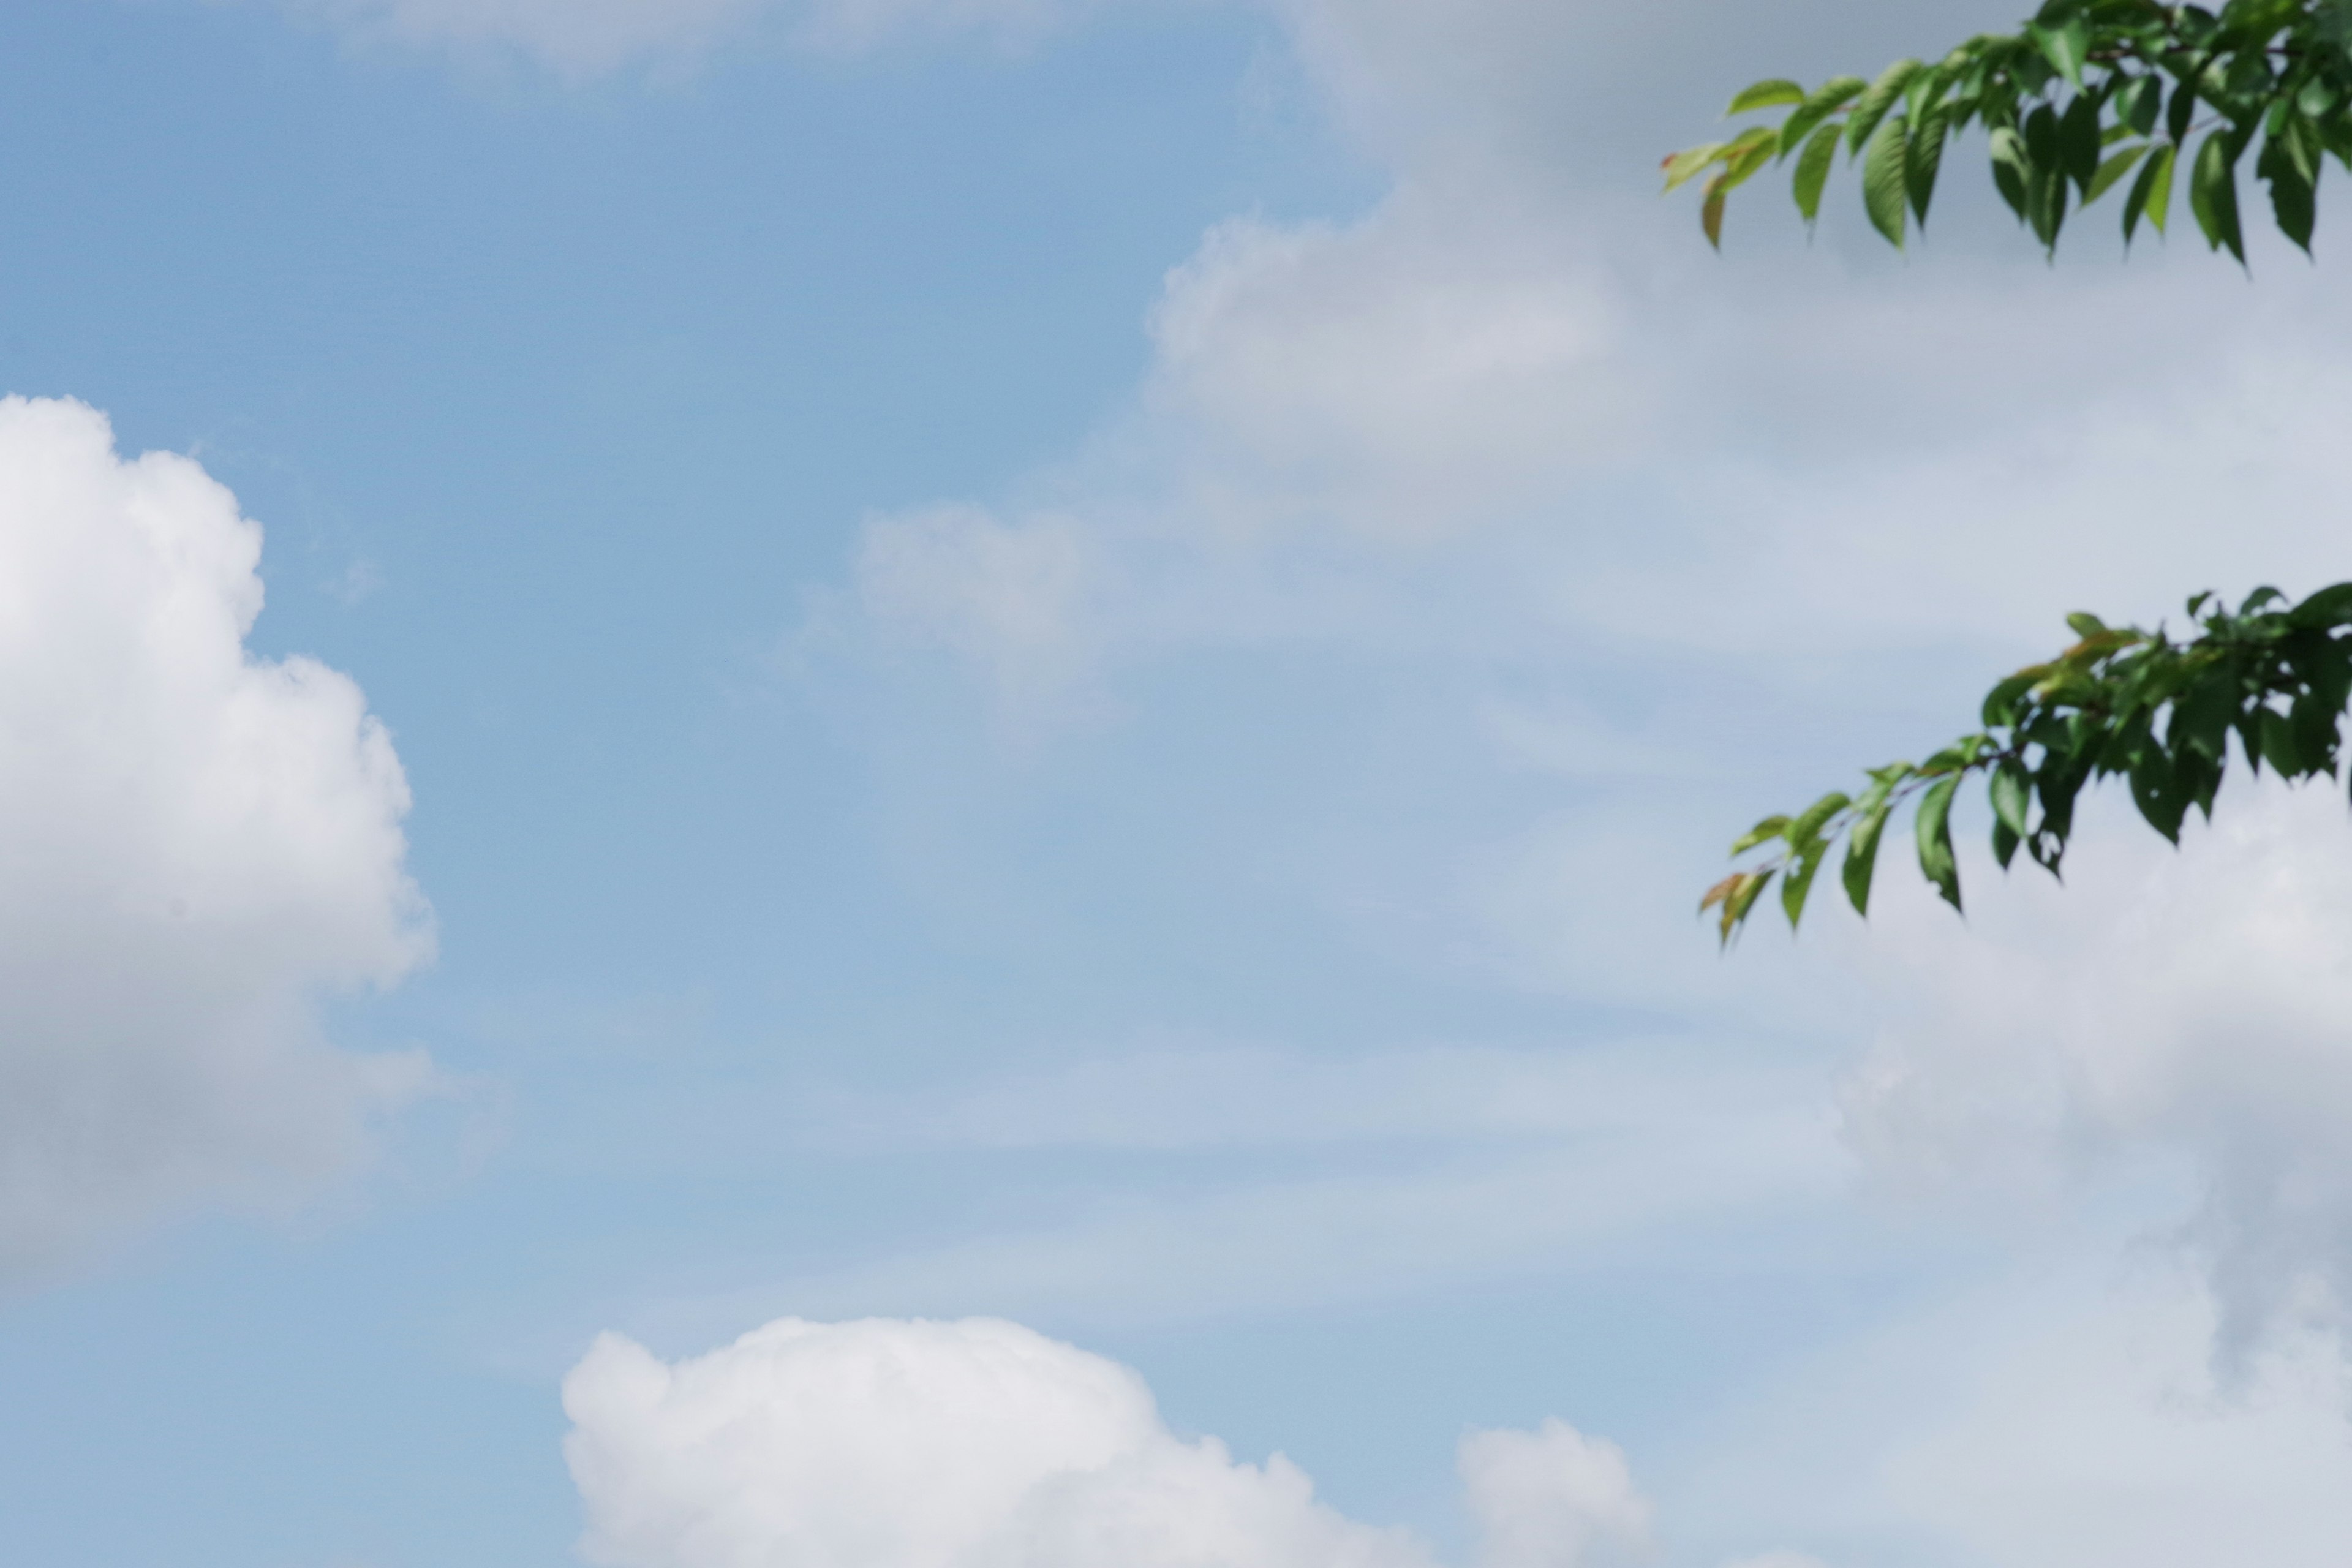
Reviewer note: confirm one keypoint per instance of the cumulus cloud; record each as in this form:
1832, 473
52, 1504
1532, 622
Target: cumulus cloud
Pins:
980, 1444
194, 845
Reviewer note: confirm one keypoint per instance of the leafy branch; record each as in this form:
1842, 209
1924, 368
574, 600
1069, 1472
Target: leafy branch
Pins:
2119, 701
2073, 102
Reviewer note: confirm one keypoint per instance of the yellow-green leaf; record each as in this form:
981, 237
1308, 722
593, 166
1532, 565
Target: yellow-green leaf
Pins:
1769, 93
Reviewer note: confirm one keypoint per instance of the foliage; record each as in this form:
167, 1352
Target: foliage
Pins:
2087, 95
2119, 701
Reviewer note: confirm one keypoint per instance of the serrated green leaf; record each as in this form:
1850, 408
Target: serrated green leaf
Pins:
1883, 190
1923, 157
1813, 174
1771, 93
1876, 102
1820, 104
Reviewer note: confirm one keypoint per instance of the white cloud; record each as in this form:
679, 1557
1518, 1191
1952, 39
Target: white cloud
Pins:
194, 843
980, 1444
1551, 1498
585, 38
1019, 598
2192, 1007
574, 37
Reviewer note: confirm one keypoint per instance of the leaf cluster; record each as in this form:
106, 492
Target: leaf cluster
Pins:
2120, 701
2085, 96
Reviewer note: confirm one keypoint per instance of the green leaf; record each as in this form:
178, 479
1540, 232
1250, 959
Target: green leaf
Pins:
2066, 48
1742, 900
1813, 169
2045, 204
2213, 194
1935, 827
1823, 101
2012, 795
1883, 179
2151, 194
1682, 167
1876, 102
1771, 827
1809, 822
1710, 214
2293, 200
2138, 102
1743, 157
2078, 139
2012, 168
2278, 743
1922, 159
2328, 608
1862, 850
2182, 109
1769, 93
2113, 169
1798, 882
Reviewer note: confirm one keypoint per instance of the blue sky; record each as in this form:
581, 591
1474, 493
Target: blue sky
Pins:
1078, 665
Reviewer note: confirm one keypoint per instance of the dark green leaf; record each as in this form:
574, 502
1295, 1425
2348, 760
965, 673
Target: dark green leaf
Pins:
2213, 194
2293, 203
2327, 608
2078, 139
2182, 111
1922, 158
2011, 169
